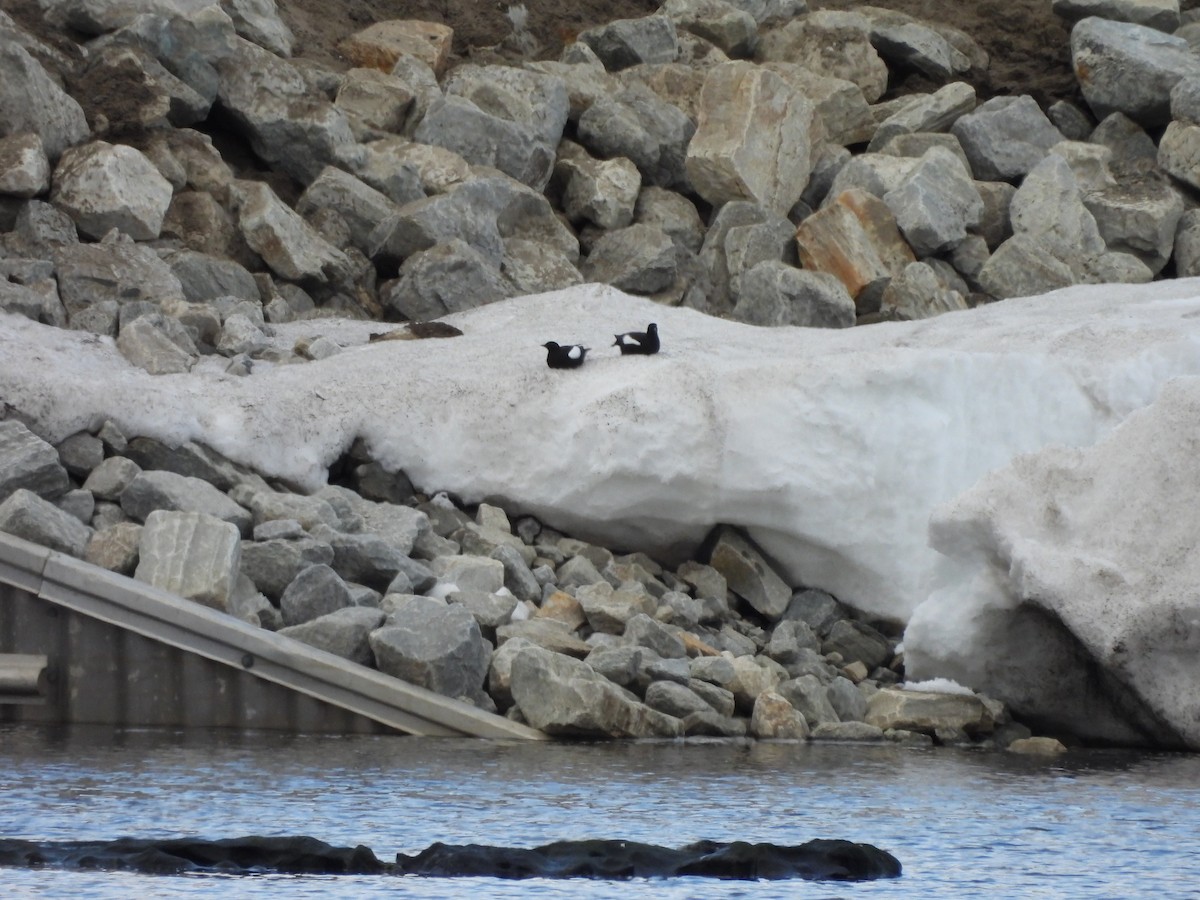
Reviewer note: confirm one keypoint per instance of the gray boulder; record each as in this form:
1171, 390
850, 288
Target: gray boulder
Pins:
205, 277
603, 192
1049, 208
26, 515
565, 696
748, 574
643, 631
272, 564
856, 640
31, 101
315, 591
928, 712
548, 634
1129, 68
28, 462
810, 697
935, 112
435, 646
775, 293
286, 243
1162, 15
360, 206
345, 632
639, 259
936, 204
675, 699
833, 43
637, 124
1023, 267
1178, 151
907, 43
24, 169
92, 276
115, 547
918, 293
774, 718
190, 554
446, 278
109, 479
733, 29
179, 493
630, 42
159, 344
1005, 137
1139, 218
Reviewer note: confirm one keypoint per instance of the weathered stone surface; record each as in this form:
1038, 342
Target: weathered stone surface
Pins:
288, 244
364, 558
24, 169
26, 461
168, 491
856, 640
1179, 152
855, 239
637, 124
157, 343
188, 458
602, 192
927, 712
31, 101
1129, 68
775, 293
360, 206
1162, 15
533, 267
918, 293
908, 43
628, 42
1037, 746
729, 27
115, 548
470, 573
644, 631
1187, 244
549, 634
774, 718
1022, 267
510, 119
434, 645
1005, 137
753, 140
104, 186
564, 696
375, 103
609, 610
1049, 208
675, 699
381, 45
315, 591
273, 563
26, 515
935, 112
639, 259
446, 278
936, 204
1138, 218
830, 42
809, 695
344, 632
190, 554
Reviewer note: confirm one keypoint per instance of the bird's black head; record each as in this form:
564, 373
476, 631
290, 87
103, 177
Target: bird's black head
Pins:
550, 345
652, 329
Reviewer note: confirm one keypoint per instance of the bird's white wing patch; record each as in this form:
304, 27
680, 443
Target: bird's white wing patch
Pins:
574, 352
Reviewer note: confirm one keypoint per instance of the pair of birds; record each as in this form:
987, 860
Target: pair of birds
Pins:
570, 356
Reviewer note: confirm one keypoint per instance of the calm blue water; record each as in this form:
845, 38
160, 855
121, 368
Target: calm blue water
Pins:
1088, 825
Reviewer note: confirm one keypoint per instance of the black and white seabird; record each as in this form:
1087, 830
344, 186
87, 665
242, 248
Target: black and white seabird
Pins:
644, 342
568, 356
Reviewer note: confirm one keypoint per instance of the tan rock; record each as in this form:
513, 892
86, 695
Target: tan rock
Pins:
775, 718
562, 607
928, 712
1037, 746
381, 45
855, 239
753, 140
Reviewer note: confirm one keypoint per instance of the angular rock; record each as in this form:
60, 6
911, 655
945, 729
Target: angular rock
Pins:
287, 243
115, 548
749, 575
856, 640
28, 462
775, 293
1049, 208
810, 697
934, 112
1129, 68
629, 42
24, 168
726, 25
1187, 245
26, 515
637, 124
360, 206
104, 186
1005, 137
774, 718
928, 712
936, 204
272, 564
639, 259
344, 632
490, 610
291, 127
847, 700
31, 101
840, 104
375, 103
190, 554
918, 293
154, 490
519, 580
315, 591
1022, 267
602, 192
675, 700
153, 342
1162, 15
435, 646
830, 42
753, 140
549, 634
446, 278
533, 267
470, 573
1138, 218
383, 44
564, 696
363, 558
1179, 152
609, 611
643, 631
909, 44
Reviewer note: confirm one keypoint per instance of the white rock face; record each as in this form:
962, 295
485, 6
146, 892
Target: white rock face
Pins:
104, 186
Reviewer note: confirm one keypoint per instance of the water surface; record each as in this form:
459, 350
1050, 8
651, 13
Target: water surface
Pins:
1086, 825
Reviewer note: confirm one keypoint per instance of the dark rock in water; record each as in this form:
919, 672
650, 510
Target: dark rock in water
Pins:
233, 856
824, 860
835, 860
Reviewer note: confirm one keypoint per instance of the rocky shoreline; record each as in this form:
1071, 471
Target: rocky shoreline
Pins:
178, 184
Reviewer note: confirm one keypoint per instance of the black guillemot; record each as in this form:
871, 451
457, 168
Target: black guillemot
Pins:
644, 342
569, 356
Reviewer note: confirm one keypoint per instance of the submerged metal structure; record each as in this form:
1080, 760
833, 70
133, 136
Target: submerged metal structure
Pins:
80, 644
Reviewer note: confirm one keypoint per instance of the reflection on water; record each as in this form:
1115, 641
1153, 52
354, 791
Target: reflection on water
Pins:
1085, 825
